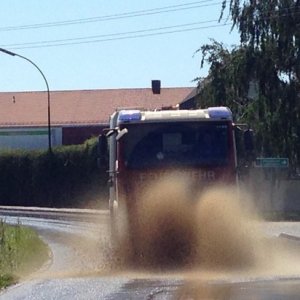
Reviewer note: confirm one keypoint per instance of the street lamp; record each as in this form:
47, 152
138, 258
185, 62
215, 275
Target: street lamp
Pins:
48, 91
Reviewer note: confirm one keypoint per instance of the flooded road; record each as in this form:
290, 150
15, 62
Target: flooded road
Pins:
240, 258
76, 271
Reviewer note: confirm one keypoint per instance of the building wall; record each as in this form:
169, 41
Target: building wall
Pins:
35, 138
79, 134
29, 138
282, 195
188, 104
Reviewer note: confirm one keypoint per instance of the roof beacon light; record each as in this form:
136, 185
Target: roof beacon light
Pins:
129, 115
220, 113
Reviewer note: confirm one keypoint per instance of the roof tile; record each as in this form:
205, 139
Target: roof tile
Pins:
80, 106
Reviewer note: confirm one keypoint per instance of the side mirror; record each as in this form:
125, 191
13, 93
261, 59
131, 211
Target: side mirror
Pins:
248, 140
245, 145
102, 151
249, 146
121, 133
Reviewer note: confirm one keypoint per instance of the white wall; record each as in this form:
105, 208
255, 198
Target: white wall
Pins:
29, 138
282, 195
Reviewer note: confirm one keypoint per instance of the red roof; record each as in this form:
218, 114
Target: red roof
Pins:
82, 107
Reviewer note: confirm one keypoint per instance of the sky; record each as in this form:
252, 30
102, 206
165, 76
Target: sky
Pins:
96, 44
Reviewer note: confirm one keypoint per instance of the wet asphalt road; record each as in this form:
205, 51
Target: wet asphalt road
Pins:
72, 274
121, 288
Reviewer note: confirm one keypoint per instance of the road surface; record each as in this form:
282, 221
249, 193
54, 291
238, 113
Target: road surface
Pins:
80, 266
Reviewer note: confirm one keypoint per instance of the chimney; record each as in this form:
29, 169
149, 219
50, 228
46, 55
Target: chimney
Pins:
155, 86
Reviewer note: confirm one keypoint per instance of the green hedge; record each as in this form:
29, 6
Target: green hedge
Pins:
67, 177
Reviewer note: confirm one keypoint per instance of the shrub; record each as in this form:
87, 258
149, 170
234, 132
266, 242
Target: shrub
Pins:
67, 177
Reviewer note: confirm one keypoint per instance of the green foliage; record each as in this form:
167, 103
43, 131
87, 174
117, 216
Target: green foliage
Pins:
269, 59
6, 280
21, 251
67, 177
271, 26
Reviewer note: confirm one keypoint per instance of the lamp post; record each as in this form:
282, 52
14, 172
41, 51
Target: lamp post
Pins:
48, 91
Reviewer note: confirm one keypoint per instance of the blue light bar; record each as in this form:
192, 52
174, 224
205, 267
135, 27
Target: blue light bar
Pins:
129, 115
220, 113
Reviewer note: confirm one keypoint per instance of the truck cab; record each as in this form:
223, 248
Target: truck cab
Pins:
144, 146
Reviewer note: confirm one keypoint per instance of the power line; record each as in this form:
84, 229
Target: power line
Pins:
108, 39
133, 14
110, 35
122, 35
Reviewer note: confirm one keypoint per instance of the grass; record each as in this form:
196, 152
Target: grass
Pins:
21, 252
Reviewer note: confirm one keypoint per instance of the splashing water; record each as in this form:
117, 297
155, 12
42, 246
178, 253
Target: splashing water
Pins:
176, 228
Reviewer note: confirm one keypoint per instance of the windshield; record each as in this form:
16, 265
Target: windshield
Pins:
175, 144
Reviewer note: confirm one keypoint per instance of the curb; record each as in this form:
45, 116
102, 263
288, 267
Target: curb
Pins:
53, 213
289, 236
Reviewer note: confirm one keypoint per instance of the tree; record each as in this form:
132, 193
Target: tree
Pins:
271, 26
269, 58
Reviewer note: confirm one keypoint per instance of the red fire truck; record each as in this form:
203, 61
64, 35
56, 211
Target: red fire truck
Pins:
145, 145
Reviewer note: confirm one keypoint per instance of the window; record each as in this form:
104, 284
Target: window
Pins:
175, 145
